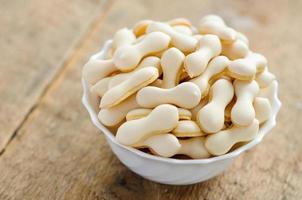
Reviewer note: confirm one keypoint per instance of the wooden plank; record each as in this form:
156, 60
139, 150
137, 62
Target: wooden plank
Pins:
35, 38
58, 154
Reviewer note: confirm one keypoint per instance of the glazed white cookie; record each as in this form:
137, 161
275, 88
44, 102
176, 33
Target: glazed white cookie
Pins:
183, 29
180, 21
95, 70
140, 27
171, 63
127, 57
187, 128
243, 112
113, 116
265, 78
239, 48
221, 142
213, 24
263, 109
185, 95
235, 50
194, 148
184, 114
150, 61
138, 80
165, 145
258, 60
242, 37
101, 87
138, 113
268, 92
211, 116
208, 47
162, 119
246, 68
183, 42
123, 37
216, 67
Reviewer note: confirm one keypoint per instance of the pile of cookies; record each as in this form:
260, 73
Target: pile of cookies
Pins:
178, 89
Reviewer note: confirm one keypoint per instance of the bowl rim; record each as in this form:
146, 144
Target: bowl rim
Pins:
263, 130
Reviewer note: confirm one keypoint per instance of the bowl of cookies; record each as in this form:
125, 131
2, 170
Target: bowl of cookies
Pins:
178, 103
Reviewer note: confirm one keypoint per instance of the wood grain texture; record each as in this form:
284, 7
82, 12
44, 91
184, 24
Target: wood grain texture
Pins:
58, 154
35, 38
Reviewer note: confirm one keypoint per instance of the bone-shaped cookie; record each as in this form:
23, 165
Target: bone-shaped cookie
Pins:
221, 142
164, 145
264, 78
179, 22
141, 26
258, 60
263, 109
246, 68
187, 128
184, 114
167, 145
95, 70
213, 24
211, 116
243, 112
127, 57
162, 119
171, 63
138, 80
216, 66
208, 47
185, 95
269, 91
235, 50
123, 37
113, 116
242, 37
150, 61
183, 29
183, 42
138, 113
194, 148
101, 87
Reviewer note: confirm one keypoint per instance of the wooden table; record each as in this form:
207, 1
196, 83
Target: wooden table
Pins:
50, 149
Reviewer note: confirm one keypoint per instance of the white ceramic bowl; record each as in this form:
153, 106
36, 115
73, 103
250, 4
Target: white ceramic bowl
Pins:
169, 170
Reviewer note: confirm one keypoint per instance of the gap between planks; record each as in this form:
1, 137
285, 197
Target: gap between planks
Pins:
67, 63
